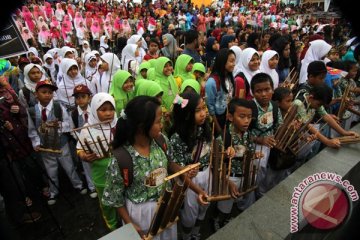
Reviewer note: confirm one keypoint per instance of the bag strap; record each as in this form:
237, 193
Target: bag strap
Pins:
75, 117
125, 161
58, 111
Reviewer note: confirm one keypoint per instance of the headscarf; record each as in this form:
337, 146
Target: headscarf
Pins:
246, 56
66, 85
121, 97
51, 67
28, 83
95, 27
102, 42
144, 65
48, 10
264, 66
180, 67
44, 34
78, 18
89, 71
114, 65
237, 50
151, 74
134, 39
96, 102
165, 82
169, 50
317, 50
148, 88
86, 50
34, 51
41, 23
54, 22
127, 55
64, 50
190, 83
199, 67
152, 63
225, 41
26, 36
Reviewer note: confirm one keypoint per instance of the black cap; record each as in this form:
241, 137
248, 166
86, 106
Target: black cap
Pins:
316, 67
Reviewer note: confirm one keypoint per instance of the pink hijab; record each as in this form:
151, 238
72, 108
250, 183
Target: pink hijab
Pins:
44, 33
88, 20
28, 18
78, 19
70, 10
54, 22
117, 24
48, 10
95, 27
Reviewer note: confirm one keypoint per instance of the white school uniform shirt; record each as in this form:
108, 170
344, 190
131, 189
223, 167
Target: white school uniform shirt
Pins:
65, 126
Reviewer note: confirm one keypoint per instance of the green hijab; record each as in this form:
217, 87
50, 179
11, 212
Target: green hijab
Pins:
199, 67
167, 83
151, 74
143, 65
121, 97
148, 88
180, 67
190, 83
152, 63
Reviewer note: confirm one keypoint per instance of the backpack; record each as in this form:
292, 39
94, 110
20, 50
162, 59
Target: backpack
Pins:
125, 161
255, 113
57, 112
236, 82
247, 85
26, 93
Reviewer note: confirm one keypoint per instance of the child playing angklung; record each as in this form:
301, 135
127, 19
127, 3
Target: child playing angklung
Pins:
102, 109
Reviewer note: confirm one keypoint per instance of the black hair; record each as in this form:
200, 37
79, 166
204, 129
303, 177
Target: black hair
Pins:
191, 36
261, 78
184, 122
357, 53
280, 93
279, 46
251, 40
349, 65
322, 93
140, 115
219, 67
153, 40
239, 102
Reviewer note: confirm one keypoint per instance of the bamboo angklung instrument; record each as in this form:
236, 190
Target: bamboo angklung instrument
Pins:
348, 139
344, 99
249, 170
169, 203
50, 137
98, 144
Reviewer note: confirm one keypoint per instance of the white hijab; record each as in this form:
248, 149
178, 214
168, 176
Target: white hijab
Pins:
127, 55
28, 83
105, 80
264, 66
88, 49
89, 71
102, 42
246, 56
317, 50
51, 66
237, 50
66, 84
96, 102
34, 51
134, 39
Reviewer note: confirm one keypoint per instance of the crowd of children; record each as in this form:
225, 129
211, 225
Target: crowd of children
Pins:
157, 100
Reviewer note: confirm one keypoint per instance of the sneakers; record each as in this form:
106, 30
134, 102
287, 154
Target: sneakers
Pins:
28, 202
216, 224
196, 236
93, 193
31, 218
83, 191
51, 201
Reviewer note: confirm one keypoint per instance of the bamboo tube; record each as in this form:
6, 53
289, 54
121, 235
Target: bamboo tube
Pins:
48, 150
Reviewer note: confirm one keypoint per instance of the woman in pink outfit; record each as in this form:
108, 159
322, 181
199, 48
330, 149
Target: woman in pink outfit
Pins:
28, 18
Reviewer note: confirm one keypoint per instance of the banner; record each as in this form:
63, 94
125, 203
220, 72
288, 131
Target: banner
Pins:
11, 41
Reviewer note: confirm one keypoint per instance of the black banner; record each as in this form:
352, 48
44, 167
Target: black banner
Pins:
11, 42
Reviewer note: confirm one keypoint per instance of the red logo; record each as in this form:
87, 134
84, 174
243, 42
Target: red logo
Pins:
126, 177
325, 206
